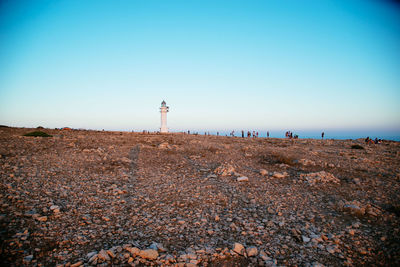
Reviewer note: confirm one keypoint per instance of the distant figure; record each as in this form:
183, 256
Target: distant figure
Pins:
267, 134
254, 134
322, 135
257, 134
188, 131
248, 134
367, 140
217, 133
242, 134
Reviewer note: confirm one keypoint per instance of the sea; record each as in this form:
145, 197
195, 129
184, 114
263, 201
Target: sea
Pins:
307, 134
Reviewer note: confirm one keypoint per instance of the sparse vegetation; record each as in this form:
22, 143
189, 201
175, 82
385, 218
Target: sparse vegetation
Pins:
356, 147
38, 134
277, 159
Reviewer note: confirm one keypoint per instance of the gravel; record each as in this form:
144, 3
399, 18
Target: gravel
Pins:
119, 198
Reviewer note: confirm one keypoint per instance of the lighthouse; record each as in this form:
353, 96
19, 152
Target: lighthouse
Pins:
164, 109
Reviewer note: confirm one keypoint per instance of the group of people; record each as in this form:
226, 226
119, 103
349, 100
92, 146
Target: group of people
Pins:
290, 135
255, 134
371, 141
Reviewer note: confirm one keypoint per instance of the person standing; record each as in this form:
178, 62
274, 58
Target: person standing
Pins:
322, 135
242, 134
267, 134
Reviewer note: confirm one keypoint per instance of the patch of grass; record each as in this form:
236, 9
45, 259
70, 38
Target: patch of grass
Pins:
356, 147
38, 134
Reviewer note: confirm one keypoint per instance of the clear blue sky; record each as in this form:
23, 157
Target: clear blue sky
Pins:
218, 64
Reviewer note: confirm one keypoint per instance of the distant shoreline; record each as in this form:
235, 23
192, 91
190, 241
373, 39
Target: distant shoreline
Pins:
312, 135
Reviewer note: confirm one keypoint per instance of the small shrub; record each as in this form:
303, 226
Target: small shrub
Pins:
277, 159
38, 134
356, 147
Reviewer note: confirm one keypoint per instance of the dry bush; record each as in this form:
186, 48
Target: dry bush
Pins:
277, 159
211, 149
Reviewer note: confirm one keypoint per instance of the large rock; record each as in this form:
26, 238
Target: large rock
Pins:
103, 255
251, 251
225, 170
150, 254
238, 248
279, 175
354, 207
164, 145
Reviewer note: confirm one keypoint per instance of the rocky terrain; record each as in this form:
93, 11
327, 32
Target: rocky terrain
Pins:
119, 198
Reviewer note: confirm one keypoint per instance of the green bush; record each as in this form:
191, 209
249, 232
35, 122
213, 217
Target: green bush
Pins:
38, 133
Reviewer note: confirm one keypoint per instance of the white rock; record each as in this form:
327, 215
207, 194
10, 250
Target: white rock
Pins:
305, 239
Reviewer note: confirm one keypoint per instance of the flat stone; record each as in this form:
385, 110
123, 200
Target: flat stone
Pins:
42, 218
278, 175
91, 254
150, 254
76, 264
242, 179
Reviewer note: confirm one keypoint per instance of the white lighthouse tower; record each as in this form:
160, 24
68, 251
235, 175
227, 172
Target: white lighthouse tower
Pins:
164, 109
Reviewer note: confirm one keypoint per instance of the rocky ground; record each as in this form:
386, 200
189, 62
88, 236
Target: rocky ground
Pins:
119, 198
